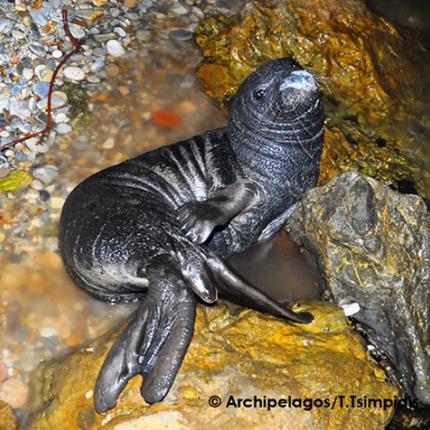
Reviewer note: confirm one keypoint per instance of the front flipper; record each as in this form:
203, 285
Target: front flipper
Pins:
155, 341
199, 219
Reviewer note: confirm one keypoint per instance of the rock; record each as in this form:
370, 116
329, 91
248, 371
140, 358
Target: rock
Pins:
375, 79
178, 9
28, 73
38, 49
14, 392
99, 3
74, 73
57, 53
15, 181
3, 369
180, 35
41, 89
7, 418
6, 25
114, 48
167, 118
46, 174
240, 353
130, 3
373, 247
63, 128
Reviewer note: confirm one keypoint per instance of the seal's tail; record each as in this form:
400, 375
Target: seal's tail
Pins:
155, 341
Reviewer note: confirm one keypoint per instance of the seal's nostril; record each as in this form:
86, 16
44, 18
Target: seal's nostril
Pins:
300, 80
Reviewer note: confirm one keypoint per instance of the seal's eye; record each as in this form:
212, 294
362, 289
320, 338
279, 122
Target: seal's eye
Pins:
259, 94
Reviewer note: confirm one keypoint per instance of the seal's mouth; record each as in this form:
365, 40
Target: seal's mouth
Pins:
298, 88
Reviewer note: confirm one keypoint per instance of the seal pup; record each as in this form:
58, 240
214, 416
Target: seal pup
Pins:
157, 228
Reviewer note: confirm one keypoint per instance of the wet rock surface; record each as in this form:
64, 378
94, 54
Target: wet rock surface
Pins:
234, 352
375, 78
7, 418
373, 247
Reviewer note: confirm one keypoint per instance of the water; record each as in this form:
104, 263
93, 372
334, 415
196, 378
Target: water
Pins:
43, 314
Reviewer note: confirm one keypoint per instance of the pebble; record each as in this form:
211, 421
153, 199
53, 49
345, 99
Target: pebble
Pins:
3, 366
109, 143
4, 171
99, 3
28, 73
166, 118
125, 91
46, 174
197, 12
6, 25
38, 49
115, 48
180, 35
178, 9
15, 392
74, 73
120, 32
57, 53
188, 107
94, 79
130, 3
61, 117
18, 35
37, 185
58, 100
112, 70
63, 128
40, 71
48, 331
97, 66
41, 89
57, 202
77, 31
34, 146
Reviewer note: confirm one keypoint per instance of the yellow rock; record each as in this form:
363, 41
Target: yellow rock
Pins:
375, 79
99, 3
7, 418
233, 353
15, 181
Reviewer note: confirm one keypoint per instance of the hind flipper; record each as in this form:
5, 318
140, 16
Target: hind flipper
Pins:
155, 341
240, 291
121, 363
162, 362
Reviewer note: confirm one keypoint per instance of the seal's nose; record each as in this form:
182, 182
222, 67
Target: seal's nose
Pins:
299, 80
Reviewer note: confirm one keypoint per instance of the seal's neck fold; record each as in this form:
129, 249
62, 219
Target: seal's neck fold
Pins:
274, 154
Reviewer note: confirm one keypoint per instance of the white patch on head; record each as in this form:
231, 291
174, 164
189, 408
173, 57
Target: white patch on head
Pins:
300, 80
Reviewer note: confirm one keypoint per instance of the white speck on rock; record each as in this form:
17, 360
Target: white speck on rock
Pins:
350, 309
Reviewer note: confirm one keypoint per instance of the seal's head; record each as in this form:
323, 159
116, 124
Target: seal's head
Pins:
278, 93
276, 123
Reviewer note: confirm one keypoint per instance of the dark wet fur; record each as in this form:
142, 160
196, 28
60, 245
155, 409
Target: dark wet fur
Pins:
157, 228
